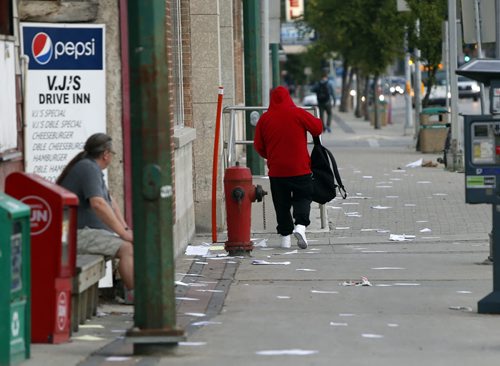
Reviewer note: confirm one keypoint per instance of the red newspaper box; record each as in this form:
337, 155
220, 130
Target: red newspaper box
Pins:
53, 253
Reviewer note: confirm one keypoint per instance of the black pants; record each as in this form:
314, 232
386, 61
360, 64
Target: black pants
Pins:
291, 192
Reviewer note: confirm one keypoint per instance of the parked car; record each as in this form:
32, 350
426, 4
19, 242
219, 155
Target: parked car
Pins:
468, 88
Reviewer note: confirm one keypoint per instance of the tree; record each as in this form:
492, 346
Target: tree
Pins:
431, 14
367, 34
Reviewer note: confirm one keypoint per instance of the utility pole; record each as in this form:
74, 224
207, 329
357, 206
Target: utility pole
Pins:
253, 76
418, 84
477, 22
266, 80
155, 316
456, 133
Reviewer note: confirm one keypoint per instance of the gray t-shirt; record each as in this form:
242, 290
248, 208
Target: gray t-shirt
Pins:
86, 180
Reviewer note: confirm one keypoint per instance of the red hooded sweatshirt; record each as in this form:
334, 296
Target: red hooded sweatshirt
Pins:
280, 136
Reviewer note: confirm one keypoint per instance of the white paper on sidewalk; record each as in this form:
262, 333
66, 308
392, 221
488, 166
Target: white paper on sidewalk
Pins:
198, 315
425, 230
192, 343
260, 243
403, 237
306, 270
415, 164
338, 324
371, 335
197, 250
205, 322
186, 298
323, 292
378, 207
286, 352
390, 268
117, 359
262, 262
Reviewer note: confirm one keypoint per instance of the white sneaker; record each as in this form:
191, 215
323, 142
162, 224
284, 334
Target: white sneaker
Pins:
300, 235
286, 241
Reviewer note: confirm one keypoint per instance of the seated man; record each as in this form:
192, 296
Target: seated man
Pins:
101, 226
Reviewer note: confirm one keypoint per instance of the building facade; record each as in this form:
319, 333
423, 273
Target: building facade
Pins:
205, 51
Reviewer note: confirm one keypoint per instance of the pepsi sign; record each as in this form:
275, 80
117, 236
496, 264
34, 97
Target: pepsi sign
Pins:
63, 48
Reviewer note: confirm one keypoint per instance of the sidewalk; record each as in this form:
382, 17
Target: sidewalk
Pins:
420, 310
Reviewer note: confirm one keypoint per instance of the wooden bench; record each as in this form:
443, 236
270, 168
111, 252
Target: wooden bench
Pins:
84, 297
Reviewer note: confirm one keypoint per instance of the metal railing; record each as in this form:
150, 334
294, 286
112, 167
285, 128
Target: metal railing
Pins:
230, 145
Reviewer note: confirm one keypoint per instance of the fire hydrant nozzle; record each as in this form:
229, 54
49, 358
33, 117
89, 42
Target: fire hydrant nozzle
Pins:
237, 194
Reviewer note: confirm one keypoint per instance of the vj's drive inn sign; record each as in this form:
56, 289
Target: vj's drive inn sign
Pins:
65, 92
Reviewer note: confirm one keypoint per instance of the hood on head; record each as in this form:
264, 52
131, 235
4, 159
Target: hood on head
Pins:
280, 98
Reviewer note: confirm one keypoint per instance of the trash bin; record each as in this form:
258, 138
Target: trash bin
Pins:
382, 113
433, 130
53, 249
15, 322
433, 115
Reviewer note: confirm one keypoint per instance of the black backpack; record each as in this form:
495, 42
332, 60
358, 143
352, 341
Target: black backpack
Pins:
322, 92
325, 174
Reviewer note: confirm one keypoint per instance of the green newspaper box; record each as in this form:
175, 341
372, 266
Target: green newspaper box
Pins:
15, 322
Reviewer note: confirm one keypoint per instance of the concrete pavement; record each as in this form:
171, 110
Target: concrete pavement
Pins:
420, 310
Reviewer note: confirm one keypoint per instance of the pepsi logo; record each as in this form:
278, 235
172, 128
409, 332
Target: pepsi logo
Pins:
41, 47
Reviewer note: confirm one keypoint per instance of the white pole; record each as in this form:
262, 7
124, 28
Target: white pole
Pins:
266, 83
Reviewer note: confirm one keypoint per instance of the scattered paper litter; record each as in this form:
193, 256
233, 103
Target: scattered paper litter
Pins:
383, 231
440, 194
197, 250
422, 221
378, 207
364, 282
323, 292
464, 292
201, 263
423, 182
392, 325
369, 229
410, 205
399, 171
371, 335
403, 237
425, 230
117, 358
187, 299
292, 252
414, 164
215, 291
463, 308
283, 297
198, 315
205, 322
262, 262
342, 228
350, 203
367, 177
347, 314
391, 196
192, 343
289, 352
95, 326
374, 251
338, 324
390, 268
88, 338
306, 269
430, 237
334, 207
261, 243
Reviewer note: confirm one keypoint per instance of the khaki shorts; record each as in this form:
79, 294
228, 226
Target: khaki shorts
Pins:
98, 241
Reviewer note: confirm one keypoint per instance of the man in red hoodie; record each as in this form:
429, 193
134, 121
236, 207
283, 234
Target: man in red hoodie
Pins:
281, 138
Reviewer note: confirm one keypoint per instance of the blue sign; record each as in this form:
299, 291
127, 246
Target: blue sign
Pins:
63, 48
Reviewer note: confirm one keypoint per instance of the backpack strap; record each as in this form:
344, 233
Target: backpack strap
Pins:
342, 190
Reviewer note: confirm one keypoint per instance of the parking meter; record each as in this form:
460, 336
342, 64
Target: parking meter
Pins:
482, 164
53, 250
14, 281
482, 159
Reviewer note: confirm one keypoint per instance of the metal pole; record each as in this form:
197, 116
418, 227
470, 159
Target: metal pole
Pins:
253, 76
456, 133
418, 83
266, 84
155, 316
408, 106
275, 61
477, 27
446, 52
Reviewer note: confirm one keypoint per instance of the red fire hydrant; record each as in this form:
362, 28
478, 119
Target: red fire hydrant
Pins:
240, 193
